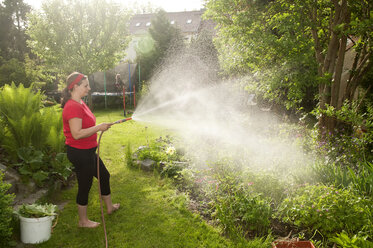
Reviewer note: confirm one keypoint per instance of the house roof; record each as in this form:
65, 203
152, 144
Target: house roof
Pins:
186, 21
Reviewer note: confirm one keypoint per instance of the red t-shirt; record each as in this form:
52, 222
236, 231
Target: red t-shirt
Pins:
72, 109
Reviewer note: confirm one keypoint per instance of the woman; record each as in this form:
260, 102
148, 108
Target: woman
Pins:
80, 129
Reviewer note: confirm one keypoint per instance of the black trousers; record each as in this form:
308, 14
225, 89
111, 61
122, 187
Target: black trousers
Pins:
85, 164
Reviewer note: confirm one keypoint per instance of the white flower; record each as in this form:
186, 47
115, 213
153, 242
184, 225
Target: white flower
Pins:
170, 150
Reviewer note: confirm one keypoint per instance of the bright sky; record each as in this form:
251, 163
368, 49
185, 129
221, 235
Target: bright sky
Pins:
167, 5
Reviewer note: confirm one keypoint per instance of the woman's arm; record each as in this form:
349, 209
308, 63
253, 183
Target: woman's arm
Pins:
79, 133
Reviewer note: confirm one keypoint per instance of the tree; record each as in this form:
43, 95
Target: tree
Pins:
298, 37
13, 23
167, 40
272, 54
78, 35
333, 25
13, 47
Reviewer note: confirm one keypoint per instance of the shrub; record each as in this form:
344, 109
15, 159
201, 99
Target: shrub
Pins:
21, 118
6, 212
241, 211
33, 136
165, 155
351, 143
328, 210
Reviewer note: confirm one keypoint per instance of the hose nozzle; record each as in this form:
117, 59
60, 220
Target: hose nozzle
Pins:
123, 120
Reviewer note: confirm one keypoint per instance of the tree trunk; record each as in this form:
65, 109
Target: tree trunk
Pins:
332, 66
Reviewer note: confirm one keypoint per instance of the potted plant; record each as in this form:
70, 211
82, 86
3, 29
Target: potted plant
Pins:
292, 244
36, 222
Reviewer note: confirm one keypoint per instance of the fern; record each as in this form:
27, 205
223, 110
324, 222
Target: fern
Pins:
30, 129
26, 123
53, 128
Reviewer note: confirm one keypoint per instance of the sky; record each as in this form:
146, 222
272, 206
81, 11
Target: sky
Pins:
167, 5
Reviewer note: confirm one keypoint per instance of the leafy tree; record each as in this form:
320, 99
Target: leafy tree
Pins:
167, 40
278, 57
292, 45
13, 23
77, 35
13, 47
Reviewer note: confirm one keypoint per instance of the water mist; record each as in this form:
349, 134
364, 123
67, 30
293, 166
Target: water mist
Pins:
213, 117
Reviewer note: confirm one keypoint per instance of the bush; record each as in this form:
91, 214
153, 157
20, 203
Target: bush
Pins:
351, 143
165, 155
6, 212
33, 136
20, 118
328, 210
241, 211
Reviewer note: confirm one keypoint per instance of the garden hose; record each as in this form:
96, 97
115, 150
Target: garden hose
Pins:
98, 178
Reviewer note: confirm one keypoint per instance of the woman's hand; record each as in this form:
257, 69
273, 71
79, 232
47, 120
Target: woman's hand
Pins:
104, 126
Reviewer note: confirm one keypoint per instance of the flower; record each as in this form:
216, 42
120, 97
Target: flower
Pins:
250, 183
170, 150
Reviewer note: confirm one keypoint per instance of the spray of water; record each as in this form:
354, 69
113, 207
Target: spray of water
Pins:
214, 118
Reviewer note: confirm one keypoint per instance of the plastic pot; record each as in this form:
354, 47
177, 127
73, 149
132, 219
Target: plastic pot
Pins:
292, 244
35, 230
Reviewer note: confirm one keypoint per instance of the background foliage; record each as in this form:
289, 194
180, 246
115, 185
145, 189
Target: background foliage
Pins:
93, 40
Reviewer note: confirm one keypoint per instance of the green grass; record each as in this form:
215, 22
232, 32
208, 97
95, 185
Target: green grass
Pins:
151, 213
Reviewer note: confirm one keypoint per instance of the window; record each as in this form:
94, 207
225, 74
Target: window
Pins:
189, 21
138, 24
148, 24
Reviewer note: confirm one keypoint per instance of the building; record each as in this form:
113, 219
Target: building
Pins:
190, 23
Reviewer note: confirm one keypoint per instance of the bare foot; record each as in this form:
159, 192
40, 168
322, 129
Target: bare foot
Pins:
89, 224
114, 208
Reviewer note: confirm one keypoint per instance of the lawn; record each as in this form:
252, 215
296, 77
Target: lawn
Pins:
152, 214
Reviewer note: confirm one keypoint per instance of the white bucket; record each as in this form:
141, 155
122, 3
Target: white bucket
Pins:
35, 230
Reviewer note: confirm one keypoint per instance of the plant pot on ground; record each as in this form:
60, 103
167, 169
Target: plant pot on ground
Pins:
36, 222
292, 244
